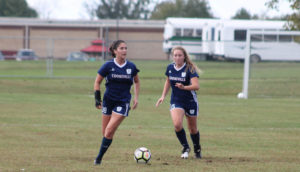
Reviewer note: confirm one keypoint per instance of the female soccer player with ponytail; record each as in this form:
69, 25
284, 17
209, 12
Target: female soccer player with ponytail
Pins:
182, 77
119, 74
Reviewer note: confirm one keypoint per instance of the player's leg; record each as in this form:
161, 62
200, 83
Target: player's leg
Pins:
177, 118
119, 113
105, 120
107, 107
105, 141
195, 135
111, 127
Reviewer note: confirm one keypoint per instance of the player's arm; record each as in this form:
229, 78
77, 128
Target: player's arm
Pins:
136, 81
98, 101
194, 85
164, 93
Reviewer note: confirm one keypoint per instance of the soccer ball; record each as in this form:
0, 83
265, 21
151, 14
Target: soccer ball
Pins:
142, 155
240, 96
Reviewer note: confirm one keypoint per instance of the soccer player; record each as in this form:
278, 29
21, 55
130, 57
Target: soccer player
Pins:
182, 77
119, 74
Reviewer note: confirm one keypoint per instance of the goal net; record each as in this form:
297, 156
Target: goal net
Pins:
271, 64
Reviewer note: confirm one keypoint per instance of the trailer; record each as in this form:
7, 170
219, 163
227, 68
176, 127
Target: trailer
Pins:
189, 33
269, 43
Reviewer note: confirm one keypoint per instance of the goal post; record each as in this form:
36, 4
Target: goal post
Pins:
273, 46
244, 93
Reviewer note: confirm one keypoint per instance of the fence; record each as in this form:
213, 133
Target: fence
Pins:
52, 54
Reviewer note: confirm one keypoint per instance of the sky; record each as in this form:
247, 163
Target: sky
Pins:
224, 9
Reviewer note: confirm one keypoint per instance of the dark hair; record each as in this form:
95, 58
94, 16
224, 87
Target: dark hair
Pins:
114, 46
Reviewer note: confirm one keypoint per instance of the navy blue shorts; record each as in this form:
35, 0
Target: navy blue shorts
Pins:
118, 107
190, 109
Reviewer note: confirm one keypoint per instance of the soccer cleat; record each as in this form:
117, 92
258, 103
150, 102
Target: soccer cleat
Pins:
198, 154
97, 162
185, 153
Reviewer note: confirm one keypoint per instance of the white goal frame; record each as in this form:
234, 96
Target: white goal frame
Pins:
244, 93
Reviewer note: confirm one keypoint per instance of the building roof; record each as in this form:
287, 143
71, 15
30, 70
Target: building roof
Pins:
96, 47
11, 21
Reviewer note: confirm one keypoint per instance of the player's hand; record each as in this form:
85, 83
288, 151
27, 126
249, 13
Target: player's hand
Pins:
135, 104
99, 106
179, 85
159, 101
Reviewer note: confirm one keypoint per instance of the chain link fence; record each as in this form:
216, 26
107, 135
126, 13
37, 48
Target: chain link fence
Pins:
65, 57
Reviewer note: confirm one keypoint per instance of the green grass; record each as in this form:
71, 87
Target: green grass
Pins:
50, 124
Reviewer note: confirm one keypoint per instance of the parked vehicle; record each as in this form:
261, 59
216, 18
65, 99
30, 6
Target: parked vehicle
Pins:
230, 40
26, 54
193, 34
1, 56
226, 39
77, 56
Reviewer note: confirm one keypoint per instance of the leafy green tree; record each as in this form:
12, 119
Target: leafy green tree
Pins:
167, 9
293, 19
242, 14
182, 8
131, 9
16, 8
197, 8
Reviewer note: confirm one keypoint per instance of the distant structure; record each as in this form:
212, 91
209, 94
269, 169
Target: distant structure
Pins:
57, 38
97, 49
226, 39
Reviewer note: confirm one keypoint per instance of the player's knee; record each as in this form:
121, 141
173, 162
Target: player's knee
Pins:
193, 130
109, 133
178, 127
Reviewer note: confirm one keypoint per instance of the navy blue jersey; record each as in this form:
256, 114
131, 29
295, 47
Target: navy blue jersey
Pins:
118, 79
183, 76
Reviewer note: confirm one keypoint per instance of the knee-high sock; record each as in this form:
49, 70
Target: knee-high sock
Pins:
182, 138
196, 140
104, 146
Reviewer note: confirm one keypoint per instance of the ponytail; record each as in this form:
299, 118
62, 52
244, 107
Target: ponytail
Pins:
190, 65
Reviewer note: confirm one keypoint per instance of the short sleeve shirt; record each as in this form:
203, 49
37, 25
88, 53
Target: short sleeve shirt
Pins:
119, 79
183, 76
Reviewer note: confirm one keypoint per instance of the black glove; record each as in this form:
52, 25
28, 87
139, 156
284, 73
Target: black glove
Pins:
98, 100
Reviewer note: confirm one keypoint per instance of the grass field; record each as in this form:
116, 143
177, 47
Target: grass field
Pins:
50, 123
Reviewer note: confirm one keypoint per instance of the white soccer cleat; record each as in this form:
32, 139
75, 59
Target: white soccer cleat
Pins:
185, 153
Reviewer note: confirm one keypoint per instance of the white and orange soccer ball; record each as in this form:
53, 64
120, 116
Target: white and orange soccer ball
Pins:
142, 155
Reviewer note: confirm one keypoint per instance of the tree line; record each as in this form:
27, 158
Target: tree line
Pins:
153, 9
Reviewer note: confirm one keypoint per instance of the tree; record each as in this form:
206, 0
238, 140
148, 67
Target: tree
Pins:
197, 8
167, 9
182, 8
242, 14
16, 8
293, 20
130, 9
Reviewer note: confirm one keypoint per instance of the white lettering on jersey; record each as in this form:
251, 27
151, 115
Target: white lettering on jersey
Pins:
120, 76
176, 78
